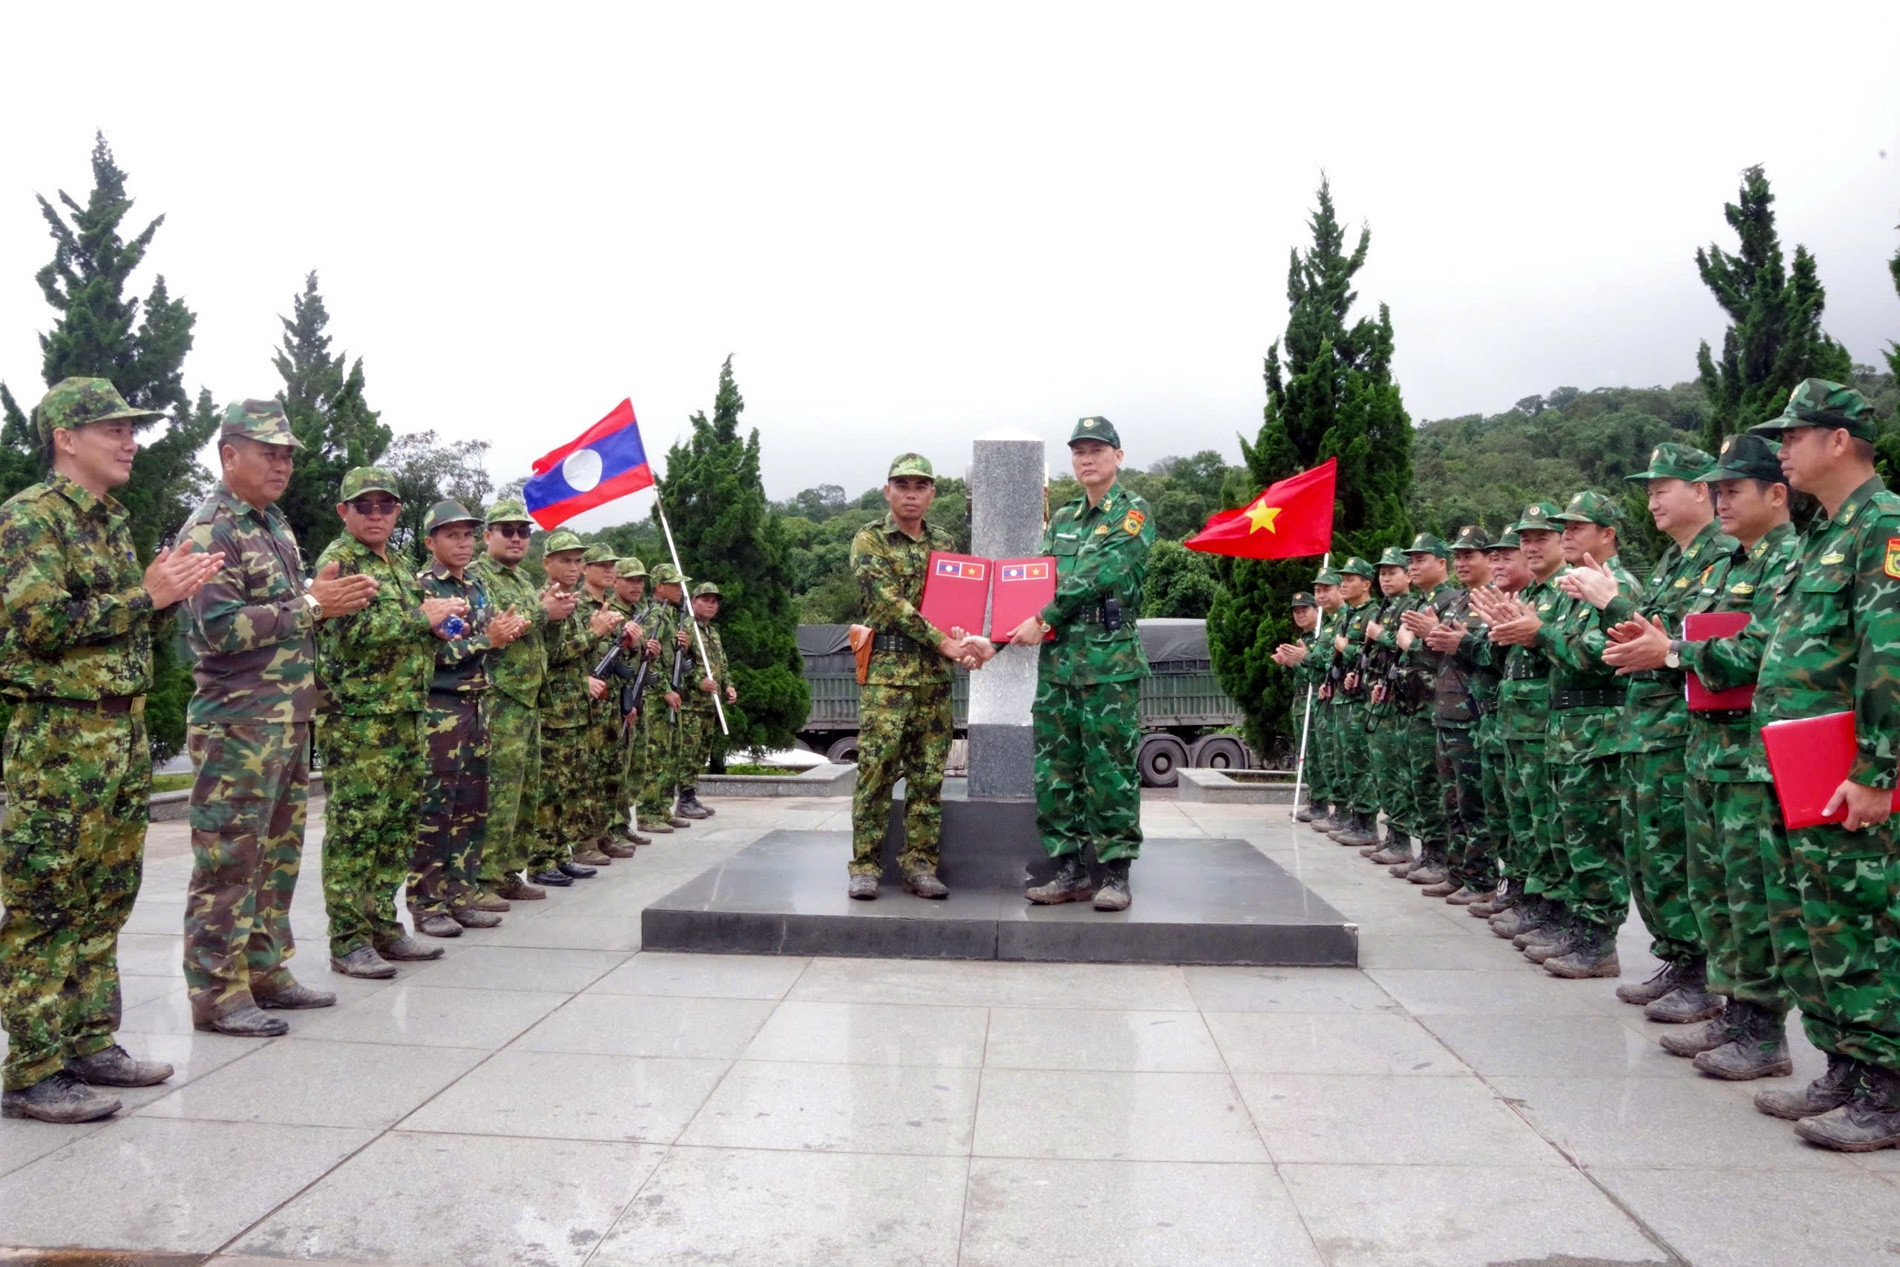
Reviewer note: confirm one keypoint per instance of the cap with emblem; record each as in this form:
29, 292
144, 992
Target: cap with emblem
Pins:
1356, 566
444, 513
1816, 402
1507, 540
1539, 517
666, 574
1393, 557
508, 512
912, 464
1304, 599
366, 479
1327, 576
705, 589
1426, 543
600, 552
1672, 461
80, 402
1747, 457
1591, 507
630, 567
562, 540
259, 420
1471, 537
1096, 428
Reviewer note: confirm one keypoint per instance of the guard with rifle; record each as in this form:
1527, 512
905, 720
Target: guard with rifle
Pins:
637, 652
1427, 562
1347, 686
667, 632
699, 683
1388, 711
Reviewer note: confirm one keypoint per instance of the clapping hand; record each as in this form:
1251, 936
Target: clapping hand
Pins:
178, 572
1593, 582
557, 602
1636, 645
1445, 636
437, 612
340, 595
506, 628
603, 621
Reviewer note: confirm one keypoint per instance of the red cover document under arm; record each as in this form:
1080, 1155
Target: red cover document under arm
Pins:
1809, 758
1023, 588
956, 591
1700, 628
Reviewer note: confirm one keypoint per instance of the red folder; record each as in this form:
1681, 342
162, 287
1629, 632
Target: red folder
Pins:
1809, 758
1700, 628
1023, 588
956, 591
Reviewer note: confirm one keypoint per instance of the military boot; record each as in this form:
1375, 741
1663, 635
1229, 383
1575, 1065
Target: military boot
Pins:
406, 949
1689, 1001
659, 825
114, 1067
365, 963
1643, 993
438, 925
1071, 884
475, 917
689, 806
1304, 811
1397, 848
1593, 954
1547, 920
487, 900
552, 877
61, 1098
1868, 1121
1465, 895
575, 870
295, 997
1517, 920
1825, 1093
1757, 1046
926, 884
516, 889
862, 887
617, 848
245, 1022
1332, 822
1553, 940
1113, 895
1693, 1040
1431, 869
589, 855
1363, 830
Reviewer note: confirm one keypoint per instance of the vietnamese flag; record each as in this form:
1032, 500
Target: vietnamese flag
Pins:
604, 462
1292, 518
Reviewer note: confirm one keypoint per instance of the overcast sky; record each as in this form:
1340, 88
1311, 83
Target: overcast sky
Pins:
914, 224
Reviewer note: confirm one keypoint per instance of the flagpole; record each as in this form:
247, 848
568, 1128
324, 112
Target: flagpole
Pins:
1306, 723
659, 504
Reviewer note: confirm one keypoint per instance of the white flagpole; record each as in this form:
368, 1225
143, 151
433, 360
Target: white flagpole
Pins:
659, 504
1306, 723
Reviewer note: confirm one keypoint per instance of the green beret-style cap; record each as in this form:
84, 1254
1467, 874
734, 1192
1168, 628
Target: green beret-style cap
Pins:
1507, 540
1591, 507
1426, 543
666, 574
630, 567
705, 588
1747, 457
508, 512
443, 513
1095, 428
259, 420
366, 479
562, 540
1539, 517
1816, 402
1326, 576
1304, 599
78, 402
1393, 557
1672, 461
911, 464
1471, 537
600, 552
1356, 566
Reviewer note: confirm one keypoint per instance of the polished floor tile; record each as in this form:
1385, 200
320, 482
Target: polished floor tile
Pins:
411, 1015
1556, 1046
1167, 1042
1753, 1218
855, 1108
1114, 1117
571, 1095
1530, 992
1285, 990
561, 930
1384, 1043
315, 1083
968, 983
873, 1034
637, 1025
704, 976
1368, 1120
475, 966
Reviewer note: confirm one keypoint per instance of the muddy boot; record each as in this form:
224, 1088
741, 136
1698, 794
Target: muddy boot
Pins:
658, 825
1304, 811
1337, 819
438, 925
1433, 867
1363, 830
407, 949
1518, 920
1113, 895
1757, 1046
1071, 884
589, 855
516, 889
1397, 848
490, 902
638, 839
1547, 920
1465, 895
926, 884
245, 1022
295, 997
617, 848
114, 1067
1687, 1003
1643, 993
61, 1098
472, 917
690, 807
1869, 1120
1554, 940
1825, 1093
1693, 1040
862, 887
363, 963
1592, 955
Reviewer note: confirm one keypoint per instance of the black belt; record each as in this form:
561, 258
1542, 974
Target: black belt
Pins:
1528, 677
109, 705
1586, 699
896, 642
1724, 714
1096, 615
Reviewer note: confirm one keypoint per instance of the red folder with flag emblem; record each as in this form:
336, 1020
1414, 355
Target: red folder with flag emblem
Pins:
1701, 627
956, 591
1023, 588
1809, 757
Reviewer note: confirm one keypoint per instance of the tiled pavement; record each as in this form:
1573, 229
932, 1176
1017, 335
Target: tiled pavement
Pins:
547, 1095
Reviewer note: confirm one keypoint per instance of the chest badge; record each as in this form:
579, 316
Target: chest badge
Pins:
1132, 521
1101, 530
1837, 557
1682, 582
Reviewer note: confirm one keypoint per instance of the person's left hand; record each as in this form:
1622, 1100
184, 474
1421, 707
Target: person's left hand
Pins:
1593, 582
1866, 806
1637, 645
1028, 634
596, 689
708, 685
732, 695
1446, 636
1419, 620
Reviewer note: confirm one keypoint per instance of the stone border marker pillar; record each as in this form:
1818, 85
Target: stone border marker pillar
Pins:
1006, 497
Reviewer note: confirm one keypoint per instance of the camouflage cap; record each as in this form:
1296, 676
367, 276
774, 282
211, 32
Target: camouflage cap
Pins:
1471, 537
1326, 576
666, 574
1539, 517
600, 552
1507, 540
1816, 402
1392, 558
630, 567
561, 541
508, 512
366, 479
1426, 543
706, 589
1672, 461
1096, 428
444, 513
79, 402
1304, 599
1356, 566
1591, 507
259, 420
1747, 456
911, 464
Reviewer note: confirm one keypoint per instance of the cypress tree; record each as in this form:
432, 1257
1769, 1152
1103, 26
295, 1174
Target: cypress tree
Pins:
727, 532
1329, 395
1774, 338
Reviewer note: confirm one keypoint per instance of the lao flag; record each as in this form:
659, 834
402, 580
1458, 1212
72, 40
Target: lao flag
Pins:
1025, 572
606, 462
966, 569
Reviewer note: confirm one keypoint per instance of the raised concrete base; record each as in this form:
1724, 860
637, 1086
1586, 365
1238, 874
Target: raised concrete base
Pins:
828, 779
1215, 785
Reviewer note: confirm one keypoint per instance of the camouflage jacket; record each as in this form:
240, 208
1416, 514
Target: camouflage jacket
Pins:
380, 659
1419, 664
75, 620
1573, 640
1655, 715
1753, 580
1835, 641
891, 569
1383, 659
1312, 670
461, 664
570, 649
1352, 622
1101, 552
718, 670
252, 635
519, 668
665, 624
1524, 682
1466, 686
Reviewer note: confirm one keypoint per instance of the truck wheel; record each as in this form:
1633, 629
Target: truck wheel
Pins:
1220, 752
1160, 759
843, 751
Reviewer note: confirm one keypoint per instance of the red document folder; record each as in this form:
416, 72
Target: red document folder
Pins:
956, 591
1023, 588
1809, 757
1700, 628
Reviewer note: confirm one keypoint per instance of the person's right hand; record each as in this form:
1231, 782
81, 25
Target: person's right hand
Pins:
953, 648
1326, 690
178, 572
683, 639
653, 648
1352, 680
438, 610
603, 622
505, 628
672, 699
1339, 642
557, 602
341, 595
1593, 582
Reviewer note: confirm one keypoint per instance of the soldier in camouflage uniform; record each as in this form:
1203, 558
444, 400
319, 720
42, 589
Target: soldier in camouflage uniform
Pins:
669, 635
1388, 711
376, 664
603, 747
252, 633
445, 890
1332, 811
1427, 561
76, 626
699, 717
563, 814
1309, 669
1350, 687
515, 674
631, 601
904, 706
1507, 819
1086, 717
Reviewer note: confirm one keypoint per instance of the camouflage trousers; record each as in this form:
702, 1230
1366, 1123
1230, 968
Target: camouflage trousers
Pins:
78, 789
1832, 917
1728, 831
373, 769
514, 779
1360, 790
1088, 789
605, 749
1460, 783
903, 733
633, 767
1385, 756
697, 728
561, 816
1594, 883
656, 784
1656, 849
1419, 771
445, 871
251, 782
1493, 794
1317, 771
1536, 827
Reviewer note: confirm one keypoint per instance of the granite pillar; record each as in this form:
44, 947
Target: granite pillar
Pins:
1007, 479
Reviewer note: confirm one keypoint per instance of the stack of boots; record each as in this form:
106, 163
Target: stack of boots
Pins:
1827, 1092
1397, 848
1690, 1001
1756, 1046
1869, 1120
1592, 955
1363, 830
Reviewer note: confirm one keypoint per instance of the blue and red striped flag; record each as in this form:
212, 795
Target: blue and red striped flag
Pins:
606, 461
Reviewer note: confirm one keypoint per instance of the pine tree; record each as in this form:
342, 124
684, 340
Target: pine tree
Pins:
1774, 339
727, 533
1330, 395
1887, 447
323, 398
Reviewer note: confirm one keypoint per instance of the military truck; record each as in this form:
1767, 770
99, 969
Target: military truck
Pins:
1185, 716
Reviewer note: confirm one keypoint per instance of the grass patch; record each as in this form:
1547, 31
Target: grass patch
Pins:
779, 770
172, 782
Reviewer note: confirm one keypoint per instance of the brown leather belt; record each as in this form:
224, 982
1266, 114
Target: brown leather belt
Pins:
109, 705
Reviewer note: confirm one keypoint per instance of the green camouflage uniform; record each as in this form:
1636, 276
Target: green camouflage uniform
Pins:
1417, 679
1308, 674
1464, 693
699, 719
904, 719
1360, 790
515, 674
663, 723
1086, 721
603, 740
376, 664
1388, 721
252, 636
445, 873
75, 663
622, 738
1534, 860
1483, 664
562, 820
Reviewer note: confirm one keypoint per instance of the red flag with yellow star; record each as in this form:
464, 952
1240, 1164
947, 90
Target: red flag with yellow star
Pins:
1292, 518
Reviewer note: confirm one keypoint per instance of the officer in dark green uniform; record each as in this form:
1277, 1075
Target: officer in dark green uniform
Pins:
1087, 721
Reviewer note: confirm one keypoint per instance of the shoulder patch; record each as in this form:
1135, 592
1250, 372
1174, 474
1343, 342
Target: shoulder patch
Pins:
1132, 522
1891, 566
1682, 582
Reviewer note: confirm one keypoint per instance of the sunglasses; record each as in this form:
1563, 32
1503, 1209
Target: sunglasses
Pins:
370, 506
516, 532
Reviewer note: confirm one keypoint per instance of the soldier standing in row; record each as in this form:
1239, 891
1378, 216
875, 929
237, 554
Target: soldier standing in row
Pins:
1331, 813
1358, 799
1427, 563
629, 734
561, 817
1087, 722
1386, 723
252, 634
1509, 824
699, 716
75, 663
1309, 669
669, 635
603, 747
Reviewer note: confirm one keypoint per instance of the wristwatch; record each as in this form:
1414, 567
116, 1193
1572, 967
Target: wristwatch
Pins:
1674, 659
316, 605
